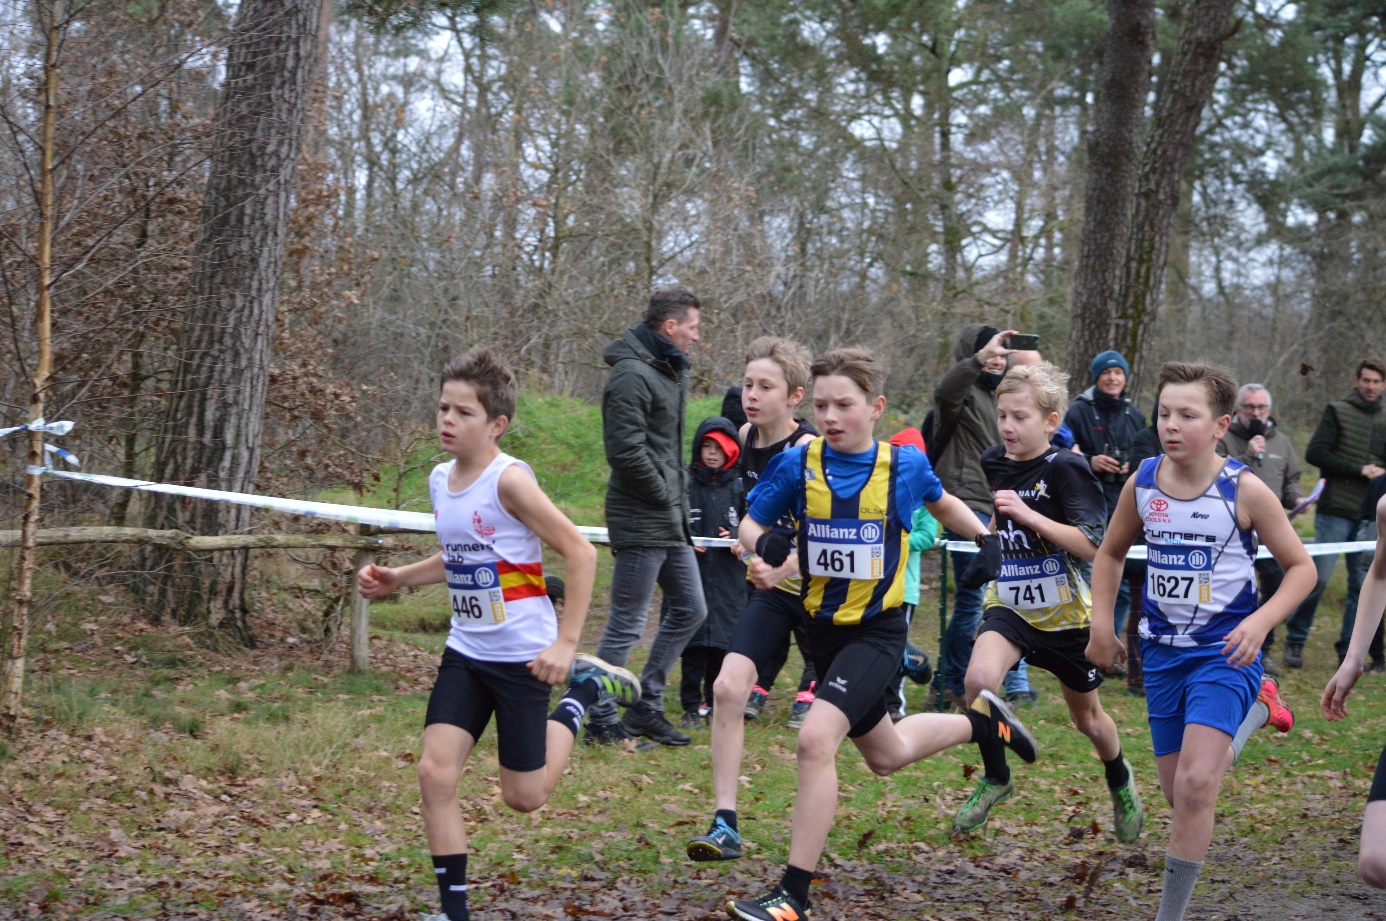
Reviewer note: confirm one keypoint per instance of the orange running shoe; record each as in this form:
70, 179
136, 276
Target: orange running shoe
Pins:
1281, 716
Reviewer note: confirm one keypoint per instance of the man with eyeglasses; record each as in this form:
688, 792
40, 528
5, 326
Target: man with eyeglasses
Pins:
1348, 448
1254, 439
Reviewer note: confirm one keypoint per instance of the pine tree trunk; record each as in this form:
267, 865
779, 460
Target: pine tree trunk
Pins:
1113, 166
211, 429
1168, 147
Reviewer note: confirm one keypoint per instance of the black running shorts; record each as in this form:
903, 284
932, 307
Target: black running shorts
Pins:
855, 664
765, 625
1378, 790
469, 690
1062, 653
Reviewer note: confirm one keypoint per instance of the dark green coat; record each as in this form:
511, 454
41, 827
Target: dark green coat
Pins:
1351, 434
961, 393
642, 429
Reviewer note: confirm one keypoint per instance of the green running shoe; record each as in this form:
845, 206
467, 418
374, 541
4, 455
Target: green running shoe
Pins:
613, 682
974, 812
1128, 815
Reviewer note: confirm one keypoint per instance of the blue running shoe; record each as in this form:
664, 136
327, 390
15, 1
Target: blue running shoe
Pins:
613, 683
722, 842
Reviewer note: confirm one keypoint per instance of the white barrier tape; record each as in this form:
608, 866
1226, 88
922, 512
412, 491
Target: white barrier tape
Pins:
423, 522
38, 425
1138, 552
355, 514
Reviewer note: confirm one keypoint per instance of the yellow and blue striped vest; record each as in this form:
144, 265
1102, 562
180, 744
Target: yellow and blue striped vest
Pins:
862, 535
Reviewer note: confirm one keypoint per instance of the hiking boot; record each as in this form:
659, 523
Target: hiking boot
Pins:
917, 666
605, 734
802, 701
1269, 666
1128, 815
722, 842
1281, 716
1022, 698
613, 682
974, 812
955, 703
1294, 655
756, 702
778, 905
652, 724
1135, 690
691, 720
1375, 668
1005, 728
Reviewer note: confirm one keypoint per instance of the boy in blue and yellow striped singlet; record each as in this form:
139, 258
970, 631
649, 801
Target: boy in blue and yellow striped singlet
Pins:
853, 498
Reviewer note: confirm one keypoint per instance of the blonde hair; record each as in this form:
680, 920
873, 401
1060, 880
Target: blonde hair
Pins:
1047, 383
794, 360
857, 365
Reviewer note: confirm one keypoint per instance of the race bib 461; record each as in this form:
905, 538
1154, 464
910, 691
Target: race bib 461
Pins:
845, 548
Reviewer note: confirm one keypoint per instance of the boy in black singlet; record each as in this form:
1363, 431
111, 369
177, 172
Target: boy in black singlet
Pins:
1050, 516
777, 372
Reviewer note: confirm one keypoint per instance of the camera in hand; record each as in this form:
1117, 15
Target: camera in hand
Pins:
1025, 342
1122, 458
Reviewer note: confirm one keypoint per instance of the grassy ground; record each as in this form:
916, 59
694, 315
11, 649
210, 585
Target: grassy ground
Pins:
160, 780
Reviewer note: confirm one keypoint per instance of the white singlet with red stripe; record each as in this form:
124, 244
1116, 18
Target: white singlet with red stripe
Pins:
495, 569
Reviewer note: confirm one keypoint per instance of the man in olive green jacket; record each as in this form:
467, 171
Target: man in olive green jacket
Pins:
965, 415
647, 510
1349, 448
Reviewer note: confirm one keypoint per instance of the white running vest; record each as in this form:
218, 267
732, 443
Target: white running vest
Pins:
495, 570
1200, 578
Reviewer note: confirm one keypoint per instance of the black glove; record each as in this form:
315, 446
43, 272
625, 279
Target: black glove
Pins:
985, 565
773, 548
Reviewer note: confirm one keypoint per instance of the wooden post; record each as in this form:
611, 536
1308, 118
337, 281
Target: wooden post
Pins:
361, 609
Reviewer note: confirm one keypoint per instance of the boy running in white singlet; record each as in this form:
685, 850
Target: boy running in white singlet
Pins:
1201, 630
1049, 516
505, 647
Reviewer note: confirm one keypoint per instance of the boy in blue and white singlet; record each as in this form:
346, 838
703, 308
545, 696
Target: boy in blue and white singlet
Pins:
505, 648
1201, 629
853, 499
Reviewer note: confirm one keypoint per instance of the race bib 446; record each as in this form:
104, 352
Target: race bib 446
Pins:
475, 592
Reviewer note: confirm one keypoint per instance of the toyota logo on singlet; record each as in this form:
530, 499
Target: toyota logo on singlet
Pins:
870, 533
1159, 505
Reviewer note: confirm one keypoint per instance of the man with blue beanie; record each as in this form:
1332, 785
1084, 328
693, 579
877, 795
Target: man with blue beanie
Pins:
1105, 425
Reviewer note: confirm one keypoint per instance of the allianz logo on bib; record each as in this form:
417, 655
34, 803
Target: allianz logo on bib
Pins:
1030, 568
839, 530
1194, 559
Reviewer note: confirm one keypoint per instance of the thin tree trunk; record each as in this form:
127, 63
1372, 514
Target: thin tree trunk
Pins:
211, 429
1113, 166
1168, 147
12, 673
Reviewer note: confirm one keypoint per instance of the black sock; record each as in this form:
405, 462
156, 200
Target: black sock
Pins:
728, 816
796, 883
452, 885
1117, 775
584, 692
568, 713
994, 761
981, 725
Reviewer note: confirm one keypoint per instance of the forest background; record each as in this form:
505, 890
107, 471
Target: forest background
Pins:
237, 240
